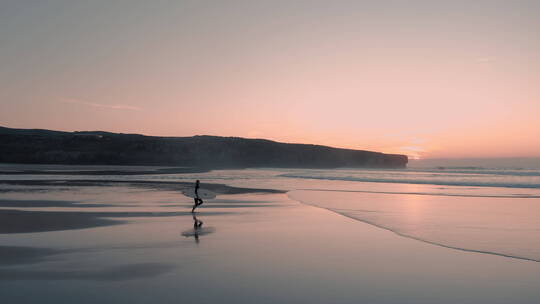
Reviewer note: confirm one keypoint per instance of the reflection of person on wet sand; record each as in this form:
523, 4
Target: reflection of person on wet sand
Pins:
197, 199
197, 225
198, 229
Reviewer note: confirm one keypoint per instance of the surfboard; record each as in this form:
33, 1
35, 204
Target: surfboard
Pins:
203, 193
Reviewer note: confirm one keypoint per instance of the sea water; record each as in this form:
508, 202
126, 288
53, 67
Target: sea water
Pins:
491, 211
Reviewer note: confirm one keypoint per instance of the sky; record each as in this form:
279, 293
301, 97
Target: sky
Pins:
430, 79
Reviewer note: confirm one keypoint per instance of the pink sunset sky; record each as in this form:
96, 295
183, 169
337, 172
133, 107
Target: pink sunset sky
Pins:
424, 78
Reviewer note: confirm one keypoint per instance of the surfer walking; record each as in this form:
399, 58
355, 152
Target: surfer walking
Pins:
198, 201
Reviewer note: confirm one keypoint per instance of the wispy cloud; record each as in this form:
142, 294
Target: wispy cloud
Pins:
100, 105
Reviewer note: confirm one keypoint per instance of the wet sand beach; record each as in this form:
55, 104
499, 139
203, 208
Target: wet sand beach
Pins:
132, 243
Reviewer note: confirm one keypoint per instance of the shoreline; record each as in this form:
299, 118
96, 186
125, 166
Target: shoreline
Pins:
425, 218
420, 239
283, 251
158, 185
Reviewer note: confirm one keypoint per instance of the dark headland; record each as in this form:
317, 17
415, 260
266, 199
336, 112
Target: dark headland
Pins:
36, 146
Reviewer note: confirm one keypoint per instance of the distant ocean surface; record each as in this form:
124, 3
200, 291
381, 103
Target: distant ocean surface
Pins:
484, 210
443, 176
476, 177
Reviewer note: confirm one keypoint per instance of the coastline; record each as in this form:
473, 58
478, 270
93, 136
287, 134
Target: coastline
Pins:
254, 246
323, 257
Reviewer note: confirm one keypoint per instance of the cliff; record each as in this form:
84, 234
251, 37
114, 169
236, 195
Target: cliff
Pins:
96, 147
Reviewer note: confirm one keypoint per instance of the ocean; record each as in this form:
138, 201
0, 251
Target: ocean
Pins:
487, 210
416, 235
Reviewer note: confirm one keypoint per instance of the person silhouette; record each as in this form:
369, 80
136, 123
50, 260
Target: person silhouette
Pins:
197, 200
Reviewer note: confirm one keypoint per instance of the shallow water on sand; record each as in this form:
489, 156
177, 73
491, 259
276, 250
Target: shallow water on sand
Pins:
260, 248
494, 225
125, 243
495, 220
